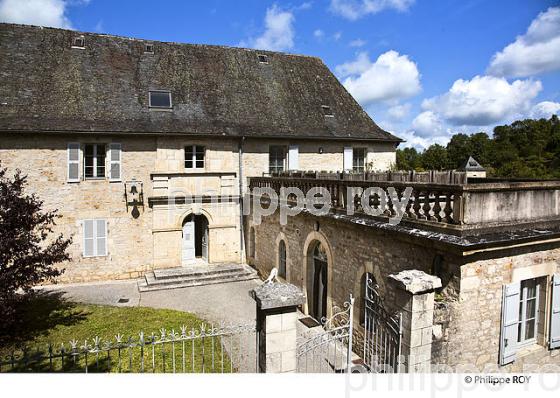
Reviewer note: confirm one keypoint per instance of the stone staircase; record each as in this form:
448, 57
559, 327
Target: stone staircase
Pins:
180, 277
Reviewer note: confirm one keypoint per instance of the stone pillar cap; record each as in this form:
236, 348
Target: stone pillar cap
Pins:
415, 281
277, 295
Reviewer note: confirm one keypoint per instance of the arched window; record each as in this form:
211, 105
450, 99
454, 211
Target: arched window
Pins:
252, 242
367, 282
282, 259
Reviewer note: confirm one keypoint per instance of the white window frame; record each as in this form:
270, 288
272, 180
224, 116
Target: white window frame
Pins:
95, 159
160, 107
95, 238
523, 300
355, 151
284, 159
193, 159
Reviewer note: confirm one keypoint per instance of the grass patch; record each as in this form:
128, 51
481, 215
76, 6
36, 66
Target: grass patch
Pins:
47, 319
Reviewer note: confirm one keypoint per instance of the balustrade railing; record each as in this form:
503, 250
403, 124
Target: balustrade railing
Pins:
434, 203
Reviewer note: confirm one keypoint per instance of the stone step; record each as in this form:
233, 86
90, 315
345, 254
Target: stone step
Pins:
180, 278
153, 280
197, 271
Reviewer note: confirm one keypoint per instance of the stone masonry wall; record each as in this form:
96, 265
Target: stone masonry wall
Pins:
354, 249
471, 332
44, 160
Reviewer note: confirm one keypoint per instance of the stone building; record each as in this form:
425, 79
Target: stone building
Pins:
134, 141
495, 246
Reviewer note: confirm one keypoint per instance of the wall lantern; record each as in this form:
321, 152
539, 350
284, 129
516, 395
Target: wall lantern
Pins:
320, 149
134, 196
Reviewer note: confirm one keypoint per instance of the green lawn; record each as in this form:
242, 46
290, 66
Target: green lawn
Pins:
47, 319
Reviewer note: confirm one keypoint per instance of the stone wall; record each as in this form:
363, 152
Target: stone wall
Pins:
154, 238
353, 249
471, 324
44, 160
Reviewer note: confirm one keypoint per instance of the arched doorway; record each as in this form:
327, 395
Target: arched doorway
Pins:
318, 270
195, 238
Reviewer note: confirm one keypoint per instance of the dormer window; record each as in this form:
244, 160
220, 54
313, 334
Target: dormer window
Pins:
79, 42
327, 111
263, 59
160, 99
149, 49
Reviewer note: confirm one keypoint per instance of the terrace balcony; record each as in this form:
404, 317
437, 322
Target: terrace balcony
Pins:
442, 202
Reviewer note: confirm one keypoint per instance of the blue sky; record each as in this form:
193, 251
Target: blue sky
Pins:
422, 69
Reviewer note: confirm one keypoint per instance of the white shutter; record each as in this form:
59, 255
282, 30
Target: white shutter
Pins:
73, 174
554, 340
293, 157
89, 240
95, 238
115, 162
510, 321
101, 237
348, 158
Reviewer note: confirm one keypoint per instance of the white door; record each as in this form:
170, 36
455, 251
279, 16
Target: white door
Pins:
205, 243
188, 241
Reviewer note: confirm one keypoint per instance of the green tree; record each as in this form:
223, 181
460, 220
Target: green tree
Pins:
435, 158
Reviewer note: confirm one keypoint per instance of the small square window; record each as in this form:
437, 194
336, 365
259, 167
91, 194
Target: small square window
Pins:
194, 157
160, 99
263, 59
79, 42
327, 111
149, 49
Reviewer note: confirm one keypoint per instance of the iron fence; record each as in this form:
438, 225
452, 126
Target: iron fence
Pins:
330, 350
382, 333
208, 349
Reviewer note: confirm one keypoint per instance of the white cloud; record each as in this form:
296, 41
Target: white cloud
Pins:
414, 140
534, 52
318, 33
545, 110
483, 100
355, 9
398, 111
391, 77
337, 36
35, 12
279, 31
357, 43
427, 124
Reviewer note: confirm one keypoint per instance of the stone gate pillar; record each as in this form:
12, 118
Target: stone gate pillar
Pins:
414, 298
276, 326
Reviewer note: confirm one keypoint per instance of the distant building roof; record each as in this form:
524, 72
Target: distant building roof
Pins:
472, 165
50, 83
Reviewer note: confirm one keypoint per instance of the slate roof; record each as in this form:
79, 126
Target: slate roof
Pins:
48, 86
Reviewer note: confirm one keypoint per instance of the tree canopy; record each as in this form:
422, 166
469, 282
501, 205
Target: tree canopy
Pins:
524, 149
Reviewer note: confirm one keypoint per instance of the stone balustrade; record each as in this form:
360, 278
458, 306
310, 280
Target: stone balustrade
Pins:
453, 207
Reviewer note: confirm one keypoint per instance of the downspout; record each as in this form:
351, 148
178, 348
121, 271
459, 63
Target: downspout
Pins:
241, 245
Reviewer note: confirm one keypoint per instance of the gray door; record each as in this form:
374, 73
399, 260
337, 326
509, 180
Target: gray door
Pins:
205, 240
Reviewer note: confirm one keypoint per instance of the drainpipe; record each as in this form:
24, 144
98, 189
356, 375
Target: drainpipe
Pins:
240, 174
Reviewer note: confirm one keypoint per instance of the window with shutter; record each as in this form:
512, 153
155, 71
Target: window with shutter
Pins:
95, 238
554, 339
73, 162
94, 161
348, 158
510, 323
115, 162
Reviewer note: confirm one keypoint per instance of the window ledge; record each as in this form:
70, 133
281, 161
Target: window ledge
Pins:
529, 349
157, 109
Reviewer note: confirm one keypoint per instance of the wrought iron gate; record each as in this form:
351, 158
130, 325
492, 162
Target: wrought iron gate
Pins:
382, 333
328, 350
